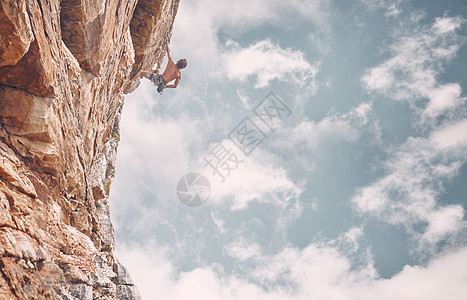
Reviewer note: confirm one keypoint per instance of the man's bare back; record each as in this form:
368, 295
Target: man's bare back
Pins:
171, 72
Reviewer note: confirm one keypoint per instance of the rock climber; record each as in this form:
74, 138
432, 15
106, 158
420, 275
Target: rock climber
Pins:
172, 72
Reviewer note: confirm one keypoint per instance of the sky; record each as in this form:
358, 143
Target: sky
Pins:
332, 135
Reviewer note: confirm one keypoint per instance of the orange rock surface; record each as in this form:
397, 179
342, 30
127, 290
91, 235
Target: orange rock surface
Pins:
64, 68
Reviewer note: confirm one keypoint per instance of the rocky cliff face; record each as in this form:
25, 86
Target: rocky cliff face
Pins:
64, 68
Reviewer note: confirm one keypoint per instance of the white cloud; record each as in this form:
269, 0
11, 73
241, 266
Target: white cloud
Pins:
444, 25
309, 138
200, 43
443, 222
443, 98
241, 250
218, 221
312, 134
416, 174
266, 62
411, 73
314, 272
451, 136
443, 278
418, 169
392, 11
390, 6
350, 240
245, 14
252, 181
153, 154
164, 142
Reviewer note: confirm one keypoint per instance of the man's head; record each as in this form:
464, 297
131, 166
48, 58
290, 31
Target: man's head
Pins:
181, 63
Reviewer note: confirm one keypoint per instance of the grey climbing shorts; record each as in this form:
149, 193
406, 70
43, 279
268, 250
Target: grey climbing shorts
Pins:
158, 80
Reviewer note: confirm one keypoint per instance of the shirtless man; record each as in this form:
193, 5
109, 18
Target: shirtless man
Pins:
172, 72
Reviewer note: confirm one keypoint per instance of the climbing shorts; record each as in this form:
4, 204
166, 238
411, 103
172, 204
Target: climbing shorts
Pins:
158, 80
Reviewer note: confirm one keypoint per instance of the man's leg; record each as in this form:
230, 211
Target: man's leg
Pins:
140, 73
145, 74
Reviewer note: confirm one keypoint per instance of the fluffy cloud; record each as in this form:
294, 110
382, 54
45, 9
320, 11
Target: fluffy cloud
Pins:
445, 25
245, 14
442, 278
411, 73
241, 250
418, 169
164, 144
339, 127
444, 221
450, 137
266, 62
200, 43
252, 181
314, 272
311, 134
443, 98
309, 138
408, 193
416, 174
154, 153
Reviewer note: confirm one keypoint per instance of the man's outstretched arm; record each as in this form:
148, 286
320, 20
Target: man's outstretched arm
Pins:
168, 50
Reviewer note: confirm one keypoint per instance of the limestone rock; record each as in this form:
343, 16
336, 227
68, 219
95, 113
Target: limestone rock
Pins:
64, 68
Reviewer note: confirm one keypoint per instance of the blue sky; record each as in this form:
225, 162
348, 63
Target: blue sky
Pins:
359, 193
